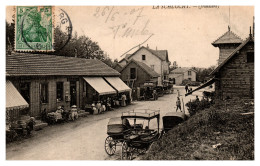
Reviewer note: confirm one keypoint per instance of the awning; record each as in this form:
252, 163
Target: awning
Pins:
100, 85
118, 84
14, 100
211, 81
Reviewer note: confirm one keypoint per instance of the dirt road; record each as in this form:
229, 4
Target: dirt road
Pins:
82, 139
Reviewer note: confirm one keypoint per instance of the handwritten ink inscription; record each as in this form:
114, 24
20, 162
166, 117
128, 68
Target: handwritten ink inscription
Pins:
129, 23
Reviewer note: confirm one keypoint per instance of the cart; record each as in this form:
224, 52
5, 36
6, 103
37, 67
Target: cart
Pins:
172, 119
140, 138
116, 129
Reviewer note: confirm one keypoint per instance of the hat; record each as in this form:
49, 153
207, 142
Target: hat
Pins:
59, 107
74, 106
93, 105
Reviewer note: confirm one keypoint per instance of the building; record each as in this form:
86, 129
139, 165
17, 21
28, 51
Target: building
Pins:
49, 81
155, 59
118, 67
227, 43
136, 73
234, 76
180, 74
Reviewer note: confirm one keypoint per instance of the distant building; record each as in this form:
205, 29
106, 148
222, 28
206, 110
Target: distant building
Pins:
118, 67
227, 43
136, 73
155, 59
180, 74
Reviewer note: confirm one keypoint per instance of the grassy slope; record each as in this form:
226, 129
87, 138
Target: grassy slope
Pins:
193, 139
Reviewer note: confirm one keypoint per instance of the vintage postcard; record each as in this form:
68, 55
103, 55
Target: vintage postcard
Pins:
130, 82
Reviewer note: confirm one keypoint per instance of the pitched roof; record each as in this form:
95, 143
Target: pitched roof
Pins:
182, 70
142, 65
125, 58
26, 64
228, 37
161, 54
231, 55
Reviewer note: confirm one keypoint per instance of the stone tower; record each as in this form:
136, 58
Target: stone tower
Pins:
227, 43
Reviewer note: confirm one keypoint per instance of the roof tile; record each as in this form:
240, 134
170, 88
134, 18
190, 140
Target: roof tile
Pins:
22, 64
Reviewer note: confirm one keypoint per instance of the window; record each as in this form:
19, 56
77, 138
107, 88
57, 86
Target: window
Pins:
152, 66
189, 73
59, 89
44, 92
143, 57
132, 73
250, 57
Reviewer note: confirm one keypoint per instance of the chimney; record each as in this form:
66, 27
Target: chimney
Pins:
147, 46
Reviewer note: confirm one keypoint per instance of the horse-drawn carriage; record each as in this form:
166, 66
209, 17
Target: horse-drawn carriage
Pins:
136, 137
133, 138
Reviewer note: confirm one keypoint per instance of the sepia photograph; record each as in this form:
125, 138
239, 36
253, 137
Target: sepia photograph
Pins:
158, 82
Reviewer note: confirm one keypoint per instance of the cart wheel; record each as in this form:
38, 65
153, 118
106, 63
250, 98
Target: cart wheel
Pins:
126, 152
110, 146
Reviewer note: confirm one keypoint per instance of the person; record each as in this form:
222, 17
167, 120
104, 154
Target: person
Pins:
93, 108
44, 115
74, 113
187, 88
178, 93
123, 102
108, 104
98, 105
30, 125
197, 98
178, 104
104, 108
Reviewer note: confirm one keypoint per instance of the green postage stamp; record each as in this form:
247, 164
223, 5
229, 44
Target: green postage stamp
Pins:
34, 28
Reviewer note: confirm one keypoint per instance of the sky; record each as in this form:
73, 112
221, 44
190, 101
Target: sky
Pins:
187, 33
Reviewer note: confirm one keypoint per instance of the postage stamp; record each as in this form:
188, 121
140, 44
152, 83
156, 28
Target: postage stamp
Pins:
34, 28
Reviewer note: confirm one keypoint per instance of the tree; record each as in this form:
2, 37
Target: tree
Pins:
203, 73
9, 37
65, 45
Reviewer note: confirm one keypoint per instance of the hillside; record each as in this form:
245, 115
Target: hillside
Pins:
216, 133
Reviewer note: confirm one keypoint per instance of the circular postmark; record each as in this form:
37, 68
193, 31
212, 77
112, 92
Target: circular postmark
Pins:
39, 31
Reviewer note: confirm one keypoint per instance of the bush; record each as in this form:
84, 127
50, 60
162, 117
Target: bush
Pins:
194, 106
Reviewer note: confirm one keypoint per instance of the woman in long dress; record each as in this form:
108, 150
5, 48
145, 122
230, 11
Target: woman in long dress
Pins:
123, 100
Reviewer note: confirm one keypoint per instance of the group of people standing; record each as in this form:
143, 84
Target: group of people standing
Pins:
108, 104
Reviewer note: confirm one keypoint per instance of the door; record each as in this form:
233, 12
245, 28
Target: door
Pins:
25, 91
73, 93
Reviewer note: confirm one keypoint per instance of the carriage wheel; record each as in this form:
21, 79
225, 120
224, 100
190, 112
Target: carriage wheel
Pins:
110, 146
126, 152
